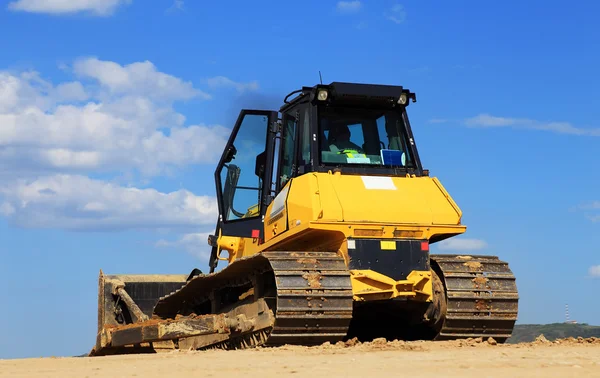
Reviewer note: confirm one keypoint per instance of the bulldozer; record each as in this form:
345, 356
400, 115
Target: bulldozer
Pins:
326, 218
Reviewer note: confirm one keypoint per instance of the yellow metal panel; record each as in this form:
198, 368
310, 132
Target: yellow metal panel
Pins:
276, 221
323, 209
412, 234
398, 207
418, 200
311, 199
388, 244
368, 285
437, 182
368, 232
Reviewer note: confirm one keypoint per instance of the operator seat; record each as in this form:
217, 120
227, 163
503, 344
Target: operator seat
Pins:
337, 145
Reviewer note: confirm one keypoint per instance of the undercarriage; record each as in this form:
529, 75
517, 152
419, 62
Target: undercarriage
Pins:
305, 298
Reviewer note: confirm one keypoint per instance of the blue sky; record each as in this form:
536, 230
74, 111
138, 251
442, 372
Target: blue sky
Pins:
113, 113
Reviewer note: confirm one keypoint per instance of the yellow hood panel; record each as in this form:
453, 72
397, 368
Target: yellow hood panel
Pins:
418, 200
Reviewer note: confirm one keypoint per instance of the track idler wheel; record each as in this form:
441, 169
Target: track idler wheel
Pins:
436, 312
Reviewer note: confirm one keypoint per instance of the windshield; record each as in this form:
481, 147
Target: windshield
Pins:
364, 136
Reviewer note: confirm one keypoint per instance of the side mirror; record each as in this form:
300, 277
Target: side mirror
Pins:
261, 160
231, 151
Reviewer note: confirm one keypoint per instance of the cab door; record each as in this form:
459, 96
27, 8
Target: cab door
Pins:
242, 191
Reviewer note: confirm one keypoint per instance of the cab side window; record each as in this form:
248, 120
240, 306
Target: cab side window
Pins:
240, 184
290, 124
305, 140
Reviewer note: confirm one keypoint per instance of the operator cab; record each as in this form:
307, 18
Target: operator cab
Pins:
352, 128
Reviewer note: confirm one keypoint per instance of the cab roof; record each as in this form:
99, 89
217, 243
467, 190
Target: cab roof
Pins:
351, 93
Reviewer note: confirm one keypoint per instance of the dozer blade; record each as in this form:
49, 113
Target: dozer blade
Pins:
269, 299
127, 299
246, 323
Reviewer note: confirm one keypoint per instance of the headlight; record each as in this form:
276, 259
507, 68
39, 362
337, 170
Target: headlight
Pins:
403, 100
322, 95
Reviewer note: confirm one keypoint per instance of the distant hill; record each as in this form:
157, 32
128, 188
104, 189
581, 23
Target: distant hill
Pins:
528, 332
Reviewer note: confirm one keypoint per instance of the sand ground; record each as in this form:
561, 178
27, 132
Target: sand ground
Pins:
574, 358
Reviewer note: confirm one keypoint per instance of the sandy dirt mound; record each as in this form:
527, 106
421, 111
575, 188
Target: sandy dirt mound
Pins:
465, 358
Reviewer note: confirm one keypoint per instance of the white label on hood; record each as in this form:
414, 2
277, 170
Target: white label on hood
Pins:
378, 183
279, 202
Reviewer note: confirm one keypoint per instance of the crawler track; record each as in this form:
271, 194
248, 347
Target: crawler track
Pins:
305, 298
482, 297
310, 294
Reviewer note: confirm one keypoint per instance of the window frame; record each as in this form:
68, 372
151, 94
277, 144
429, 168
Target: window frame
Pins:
406, 130
292, 114
298, 112
244, 227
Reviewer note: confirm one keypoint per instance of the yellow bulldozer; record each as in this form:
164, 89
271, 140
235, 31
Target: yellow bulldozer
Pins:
326, 217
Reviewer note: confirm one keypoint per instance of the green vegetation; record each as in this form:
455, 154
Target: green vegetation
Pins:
528, 332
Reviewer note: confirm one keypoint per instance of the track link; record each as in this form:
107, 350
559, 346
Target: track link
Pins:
310, 294
482, 297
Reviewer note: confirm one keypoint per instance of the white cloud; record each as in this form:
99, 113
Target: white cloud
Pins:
194, 243
222, 81
397, 14
115, 120
487, 120
24, 90
112, 121
139, 78
80, 203
461, 244
97, 7
178, 5
594, 271
594, 218
348, 6
591, 209
595, 205
73, 91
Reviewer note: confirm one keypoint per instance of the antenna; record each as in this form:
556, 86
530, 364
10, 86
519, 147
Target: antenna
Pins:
320, 77
567, 316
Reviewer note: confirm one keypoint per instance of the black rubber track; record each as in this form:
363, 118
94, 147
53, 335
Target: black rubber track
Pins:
313, 301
